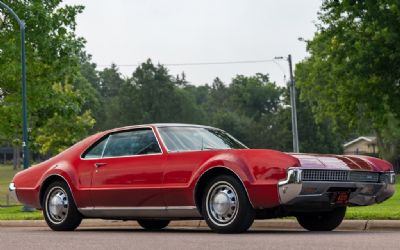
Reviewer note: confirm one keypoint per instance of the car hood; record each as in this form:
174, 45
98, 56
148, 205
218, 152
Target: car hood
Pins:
343, 162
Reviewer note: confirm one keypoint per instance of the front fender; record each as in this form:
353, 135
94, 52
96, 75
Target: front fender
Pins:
229, 161
259, 171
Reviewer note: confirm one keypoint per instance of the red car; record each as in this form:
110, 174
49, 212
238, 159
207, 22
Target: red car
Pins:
161, 172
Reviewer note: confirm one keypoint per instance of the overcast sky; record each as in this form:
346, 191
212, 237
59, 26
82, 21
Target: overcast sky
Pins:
128, 32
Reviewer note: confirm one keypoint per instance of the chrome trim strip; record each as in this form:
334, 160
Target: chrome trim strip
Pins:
141, 212
122, 156
181, 207
158, 208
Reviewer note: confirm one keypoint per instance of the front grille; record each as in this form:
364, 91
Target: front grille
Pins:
338, 175
364, 176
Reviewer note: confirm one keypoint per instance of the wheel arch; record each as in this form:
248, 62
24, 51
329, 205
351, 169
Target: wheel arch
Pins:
204, 179
46, 183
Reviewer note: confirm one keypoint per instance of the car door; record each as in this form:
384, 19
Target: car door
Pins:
129, 171
179, 171
181, 166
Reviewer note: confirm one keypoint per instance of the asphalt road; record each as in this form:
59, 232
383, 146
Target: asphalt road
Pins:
179, 238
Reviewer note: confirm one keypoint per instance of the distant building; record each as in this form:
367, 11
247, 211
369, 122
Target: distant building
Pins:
6, 153
361, 145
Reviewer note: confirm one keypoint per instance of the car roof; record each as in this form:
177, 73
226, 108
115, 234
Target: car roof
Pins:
159, 125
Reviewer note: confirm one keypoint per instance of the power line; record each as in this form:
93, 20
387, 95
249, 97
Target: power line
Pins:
198, 63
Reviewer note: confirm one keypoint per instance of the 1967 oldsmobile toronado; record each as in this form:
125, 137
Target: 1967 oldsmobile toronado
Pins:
161, 172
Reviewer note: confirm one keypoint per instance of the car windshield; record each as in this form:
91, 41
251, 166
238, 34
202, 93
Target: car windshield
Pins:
197, 138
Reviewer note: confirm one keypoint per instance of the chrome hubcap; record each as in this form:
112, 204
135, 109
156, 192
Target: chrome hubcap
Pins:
57, 205
222, 203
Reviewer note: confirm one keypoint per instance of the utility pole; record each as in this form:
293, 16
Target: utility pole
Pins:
292, 90
294, 109
25, 143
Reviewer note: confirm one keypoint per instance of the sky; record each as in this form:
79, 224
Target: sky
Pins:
128, 32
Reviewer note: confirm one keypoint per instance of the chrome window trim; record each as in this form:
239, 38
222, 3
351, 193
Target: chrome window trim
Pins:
105, 145
123, 156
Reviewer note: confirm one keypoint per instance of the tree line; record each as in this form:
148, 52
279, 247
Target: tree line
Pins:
347, 86
252, 108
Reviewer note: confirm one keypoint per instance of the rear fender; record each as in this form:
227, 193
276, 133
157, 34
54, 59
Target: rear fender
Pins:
62, 171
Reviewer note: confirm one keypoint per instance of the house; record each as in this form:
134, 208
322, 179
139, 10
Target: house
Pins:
361, 145
6, 153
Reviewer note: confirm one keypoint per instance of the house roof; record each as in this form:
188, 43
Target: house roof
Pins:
361, 138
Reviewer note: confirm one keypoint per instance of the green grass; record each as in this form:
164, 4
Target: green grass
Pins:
15, 213
388, 210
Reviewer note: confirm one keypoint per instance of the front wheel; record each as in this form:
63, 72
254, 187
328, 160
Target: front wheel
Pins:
153, 224
59, 209
225, 205
322, 221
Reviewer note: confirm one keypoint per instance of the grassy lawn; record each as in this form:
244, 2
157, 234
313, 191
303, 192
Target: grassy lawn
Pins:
6, 175
389, 209
15, 213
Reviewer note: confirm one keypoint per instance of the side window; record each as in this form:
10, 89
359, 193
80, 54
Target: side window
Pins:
135, 142
96, 150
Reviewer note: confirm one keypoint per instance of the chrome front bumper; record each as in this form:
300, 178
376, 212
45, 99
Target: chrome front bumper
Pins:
294, 191
13, 191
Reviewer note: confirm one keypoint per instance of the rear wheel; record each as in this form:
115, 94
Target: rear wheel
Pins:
59, 209
225, 205
322, 221
153, 224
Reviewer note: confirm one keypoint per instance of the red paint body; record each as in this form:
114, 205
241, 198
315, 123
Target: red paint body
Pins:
170, 178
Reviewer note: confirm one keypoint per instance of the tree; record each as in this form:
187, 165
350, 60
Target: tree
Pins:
352, 74
255, 95
88, 83
151, 95
161, 98
110, 81
53, 52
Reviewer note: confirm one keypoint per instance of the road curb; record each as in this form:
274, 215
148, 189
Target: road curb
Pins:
291, 224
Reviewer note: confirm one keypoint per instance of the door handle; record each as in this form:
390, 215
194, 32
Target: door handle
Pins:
97, 165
